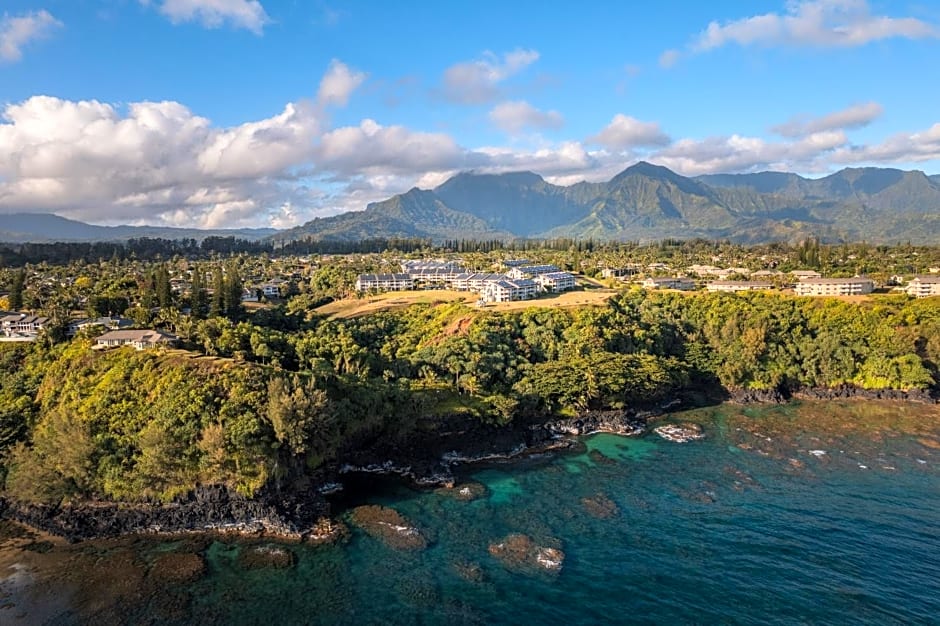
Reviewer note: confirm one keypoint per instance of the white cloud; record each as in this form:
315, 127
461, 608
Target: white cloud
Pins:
476, 82
247, 14
669, 58
855, 116
373, 148
515, 116
338, 84
154, 161
625, 132
899, 148
814, 23
737, 153
20, 30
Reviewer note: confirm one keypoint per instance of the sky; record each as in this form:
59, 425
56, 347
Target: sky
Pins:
258, 113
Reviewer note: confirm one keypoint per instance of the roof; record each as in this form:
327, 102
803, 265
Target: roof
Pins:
927, 280
742, 283
557, 275
836, 281
140, 335
384, 277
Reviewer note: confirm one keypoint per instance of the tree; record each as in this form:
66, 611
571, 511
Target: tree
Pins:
217, 303
232, 292
200, 297
16, 290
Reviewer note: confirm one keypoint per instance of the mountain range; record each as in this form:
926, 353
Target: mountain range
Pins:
45, 227
650, 202
642, 203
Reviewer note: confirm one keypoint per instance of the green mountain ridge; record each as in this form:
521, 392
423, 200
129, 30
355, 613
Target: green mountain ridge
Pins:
47, 227
650, 202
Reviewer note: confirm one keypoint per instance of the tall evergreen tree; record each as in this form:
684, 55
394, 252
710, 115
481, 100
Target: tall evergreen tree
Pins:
232, 292
200, 298
161, 281
16, 290
217, 302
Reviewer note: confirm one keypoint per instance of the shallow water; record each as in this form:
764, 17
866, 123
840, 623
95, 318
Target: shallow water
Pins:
707, 532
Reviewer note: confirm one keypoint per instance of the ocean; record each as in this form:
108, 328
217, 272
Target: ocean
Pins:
813, 513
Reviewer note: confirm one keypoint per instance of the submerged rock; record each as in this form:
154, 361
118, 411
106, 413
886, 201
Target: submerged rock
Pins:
680, 433
326, 530
177, 568
266, 556
520, 553
600, 506
389, 526
469, 571
465, 492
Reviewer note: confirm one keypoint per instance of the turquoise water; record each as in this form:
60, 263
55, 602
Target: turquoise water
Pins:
706, 533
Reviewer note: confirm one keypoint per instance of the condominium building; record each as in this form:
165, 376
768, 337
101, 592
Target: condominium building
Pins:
737, 285
670, 282
859, 285
555, 281
923, 286
509, 290
385, 282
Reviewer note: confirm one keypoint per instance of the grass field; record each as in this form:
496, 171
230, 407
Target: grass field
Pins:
354, 307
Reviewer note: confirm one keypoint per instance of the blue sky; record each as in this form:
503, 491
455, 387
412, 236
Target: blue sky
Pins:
270, 112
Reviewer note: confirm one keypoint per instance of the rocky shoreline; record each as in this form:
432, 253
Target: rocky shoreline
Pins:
427, 461
842, 392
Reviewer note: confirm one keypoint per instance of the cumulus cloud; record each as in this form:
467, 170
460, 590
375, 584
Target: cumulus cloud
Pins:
247, 14
625, 132
18, 31
816, 23
477, 82
371, 147
737, 153
899, 148
338, 84
515, 116
855, 116
155, 160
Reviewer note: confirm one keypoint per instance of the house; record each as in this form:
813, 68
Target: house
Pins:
859, 285
510, 263
112, 323
555, 281
923, 286
805, 274
674, 282
22, 326
737, 285
618, 272
141, 339
509, 290
385, 282
529, 271
250, 295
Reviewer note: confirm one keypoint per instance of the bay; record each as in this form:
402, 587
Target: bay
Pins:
818, 513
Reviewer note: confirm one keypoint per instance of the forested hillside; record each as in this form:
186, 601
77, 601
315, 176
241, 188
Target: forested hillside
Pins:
283, 395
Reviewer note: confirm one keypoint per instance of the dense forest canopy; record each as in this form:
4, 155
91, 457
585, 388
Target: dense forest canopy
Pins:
256, 398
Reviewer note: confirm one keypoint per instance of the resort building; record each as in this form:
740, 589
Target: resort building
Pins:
508, 290
417, 266
923, 286
22, 326
141, 339
555, 281
856, 286
672, 282
436, 276
385, 282
529, 271
474, 281
737, 285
